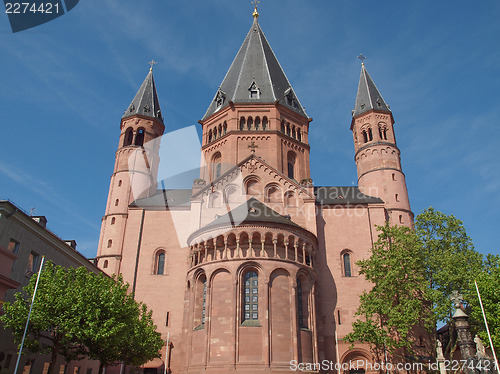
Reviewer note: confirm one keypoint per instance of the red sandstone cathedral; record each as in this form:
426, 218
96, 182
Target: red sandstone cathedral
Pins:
252, 270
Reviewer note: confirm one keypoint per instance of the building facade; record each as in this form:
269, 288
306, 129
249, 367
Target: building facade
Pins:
24, 239
253, 268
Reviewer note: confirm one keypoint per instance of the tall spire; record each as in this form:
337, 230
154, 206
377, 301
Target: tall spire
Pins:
146, 102
368, 96
255, 76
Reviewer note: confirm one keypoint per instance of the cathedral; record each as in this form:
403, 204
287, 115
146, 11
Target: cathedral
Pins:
253, 268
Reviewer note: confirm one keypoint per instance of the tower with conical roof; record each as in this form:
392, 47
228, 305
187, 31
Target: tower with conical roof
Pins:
378, 158
256, 106
135, 170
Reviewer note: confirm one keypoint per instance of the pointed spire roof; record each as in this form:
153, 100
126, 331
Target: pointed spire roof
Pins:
255, 76
145, 102
368, 96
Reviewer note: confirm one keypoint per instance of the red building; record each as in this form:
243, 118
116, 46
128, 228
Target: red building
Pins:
253, 268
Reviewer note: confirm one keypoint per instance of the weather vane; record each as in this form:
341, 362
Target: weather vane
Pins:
152, 63
362, 58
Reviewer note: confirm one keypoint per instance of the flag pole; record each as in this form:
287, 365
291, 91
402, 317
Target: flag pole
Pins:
166, 351
337, 351
29, 315
487, 329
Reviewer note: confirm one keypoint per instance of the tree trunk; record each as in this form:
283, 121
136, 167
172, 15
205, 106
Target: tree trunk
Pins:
101, 367
53, 359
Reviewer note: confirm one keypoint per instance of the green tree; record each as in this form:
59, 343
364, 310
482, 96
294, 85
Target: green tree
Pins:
397, 302
78, 313
450, 263
488, 282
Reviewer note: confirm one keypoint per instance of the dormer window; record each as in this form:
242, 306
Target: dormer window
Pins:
290, 98
220, 98
254, 91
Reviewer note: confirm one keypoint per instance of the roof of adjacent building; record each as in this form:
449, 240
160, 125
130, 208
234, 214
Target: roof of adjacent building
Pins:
251, 211
255, 67
343, 195
368, 96
145, 102
165, 198
326, 195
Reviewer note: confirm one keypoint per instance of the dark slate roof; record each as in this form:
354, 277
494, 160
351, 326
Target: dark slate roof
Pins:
165, 198
343, 196
145, 101
251, 211
368, 96
255, 65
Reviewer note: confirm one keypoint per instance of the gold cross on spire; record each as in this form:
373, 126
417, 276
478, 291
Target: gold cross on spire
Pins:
152, 63
255, 12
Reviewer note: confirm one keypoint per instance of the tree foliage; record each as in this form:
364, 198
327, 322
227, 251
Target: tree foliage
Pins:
450, 261
397, 302
413, 275
78, 313
488, 282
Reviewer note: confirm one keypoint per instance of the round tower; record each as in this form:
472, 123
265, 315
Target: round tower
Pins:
135, 171
378, 159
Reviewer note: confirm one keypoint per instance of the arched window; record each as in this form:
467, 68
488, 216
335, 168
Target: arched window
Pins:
384, 132
232, 194
216, 165
291, 165
220, 131
225, 127
242, 123
129, 136
139, 138
253, 187
346, 258
299, 135
105, 265
119, 183
365, 136
160, 263
215, 133
251, 301
264, 123
370, 134
283, 126
273, 194
249, 123
288, 129
210, 136
200, 301
113, 219
117, 202
380, 132
110, 243
300, 305
294, 133
257, 123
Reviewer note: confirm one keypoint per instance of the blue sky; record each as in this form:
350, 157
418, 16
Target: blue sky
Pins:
64, 86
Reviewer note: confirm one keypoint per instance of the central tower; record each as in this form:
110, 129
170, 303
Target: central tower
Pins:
256, 111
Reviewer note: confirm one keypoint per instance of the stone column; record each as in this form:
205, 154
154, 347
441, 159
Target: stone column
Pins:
465, 341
